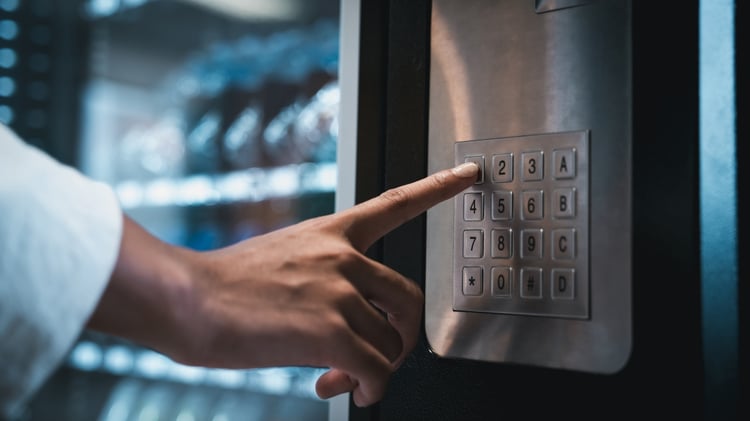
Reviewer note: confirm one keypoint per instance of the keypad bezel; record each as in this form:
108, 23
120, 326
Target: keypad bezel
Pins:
537, 174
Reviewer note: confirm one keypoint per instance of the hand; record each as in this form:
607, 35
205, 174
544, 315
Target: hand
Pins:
305, 295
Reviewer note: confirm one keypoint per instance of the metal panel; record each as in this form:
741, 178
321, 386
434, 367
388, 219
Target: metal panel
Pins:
500, 69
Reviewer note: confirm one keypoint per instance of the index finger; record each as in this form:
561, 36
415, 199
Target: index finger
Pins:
378, 216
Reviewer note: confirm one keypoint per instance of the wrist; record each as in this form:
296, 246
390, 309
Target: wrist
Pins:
183, 333
148, 298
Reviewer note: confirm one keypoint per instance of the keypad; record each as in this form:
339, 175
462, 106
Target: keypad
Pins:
522, 229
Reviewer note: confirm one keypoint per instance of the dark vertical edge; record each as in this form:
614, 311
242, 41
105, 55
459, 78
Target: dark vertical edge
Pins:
371, 117
666, 199
70, 58
371, 123
406, 161
406, 127
742, 75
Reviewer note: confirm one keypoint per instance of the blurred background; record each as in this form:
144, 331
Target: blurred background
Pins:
214, 121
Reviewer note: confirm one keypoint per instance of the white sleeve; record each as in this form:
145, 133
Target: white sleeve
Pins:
59, 240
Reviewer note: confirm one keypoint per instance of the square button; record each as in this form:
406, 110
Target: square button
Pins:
532, 166
532, 202
563, 284
531, 243
502, 243
472, 280
564, 244
502, 279
502, 168
502, 205
473, 244
473, 207
564, 163
564, 203
479, 160
531, 283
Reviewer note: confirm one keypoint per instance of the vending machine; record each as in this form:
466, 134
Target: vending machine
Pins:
597, 269
592, 270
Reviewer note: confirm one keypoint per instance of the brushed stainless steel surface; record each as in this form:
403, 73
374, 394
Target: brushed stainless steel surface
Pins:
547, 226
499, 69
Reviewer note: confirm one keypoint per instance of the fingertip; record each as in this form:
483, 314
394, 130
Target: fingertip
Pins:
333, 383
466, 170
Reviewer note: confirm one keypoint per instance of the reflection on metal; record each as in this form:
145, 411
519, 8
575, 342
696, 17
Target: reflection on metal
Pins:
500, 69
543, 6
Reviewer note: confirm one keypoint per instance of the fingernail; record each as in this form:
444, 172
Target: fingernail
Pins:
466, 170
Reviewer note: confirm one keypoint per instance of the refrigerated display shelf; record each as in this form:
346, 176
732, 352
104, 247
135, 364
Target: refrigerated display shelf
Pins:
244, 186
140, 363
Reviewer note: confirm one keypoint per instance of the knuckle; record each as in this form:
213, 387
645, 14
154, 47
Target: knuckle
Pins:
441, 184
347, 257
440, 181
334, 256
398, 197
343, 294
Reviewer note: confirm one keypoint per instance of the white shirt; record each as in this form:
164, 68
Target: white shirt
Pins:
59, 240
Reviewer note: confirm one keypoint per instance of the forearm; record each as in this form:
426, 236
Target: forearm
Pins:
149, 293
302, 295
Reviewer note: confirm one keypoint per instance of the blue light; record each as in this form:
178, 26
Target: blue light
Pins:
9, 5
152, 365
6, 114
118, 360
718, 203
7, 58
7, 86
8, 29
103, 7
86, 356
